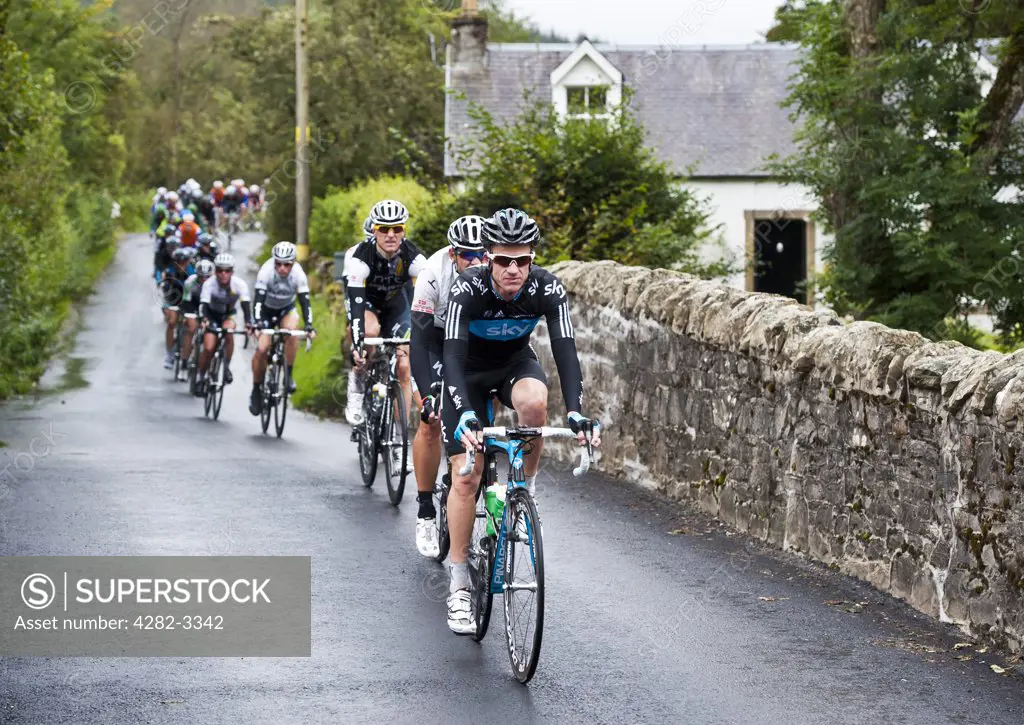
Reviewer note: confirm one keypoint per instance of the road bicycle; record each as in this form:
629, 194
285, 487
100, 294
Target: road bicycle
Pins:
494, 559
385, 426
275, 380
179, 340
192, 364
214, 382
232, 228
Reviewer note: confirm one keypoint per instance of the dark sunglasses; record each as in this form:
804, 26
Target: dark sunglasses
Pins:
221, 271
398, 229
283, 264
472, 256
503, 260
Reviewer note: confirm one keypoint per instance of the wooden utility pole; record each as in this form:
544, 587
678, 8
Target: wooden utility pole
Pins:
301, 130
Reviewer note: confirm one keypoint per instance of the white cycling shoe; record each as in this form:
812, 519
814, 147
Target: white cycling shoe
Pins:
426, 538
354, 401
460, 620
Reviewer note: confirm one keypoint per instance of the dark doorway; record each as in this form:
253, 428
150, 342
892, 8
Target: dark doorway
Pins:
780, 257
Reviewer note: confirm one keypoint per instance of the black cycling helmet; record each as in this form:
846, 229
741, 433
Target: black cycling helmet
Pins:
509, 226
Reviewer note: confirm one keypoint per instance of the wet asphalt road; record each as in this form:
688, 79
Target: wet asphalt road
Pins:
642, 625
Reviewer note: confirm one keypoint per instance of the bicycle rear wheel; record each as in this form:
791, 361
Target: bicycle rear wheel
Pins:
524, 584
482, 547
368, 439
218, 377
267, 394
179, 331
280, 399
444, 540
395, 434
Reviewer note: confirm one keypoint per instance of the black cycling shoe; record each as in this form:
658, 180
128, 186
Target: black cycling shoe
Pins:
256, 402
292, 387
200, 389
228, 377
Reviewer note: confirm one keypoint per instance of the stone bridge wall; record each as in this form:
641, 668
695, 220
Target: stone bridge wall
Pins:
873, 450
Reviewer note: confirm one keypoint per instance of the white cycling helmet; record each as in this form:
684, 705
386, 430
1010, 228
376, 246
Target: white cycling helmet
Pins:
464, 232
284, 252
204, 268
171, 196
224, 261
230, 191
254, 189
389, 212
161, 191
188, 216
218, 184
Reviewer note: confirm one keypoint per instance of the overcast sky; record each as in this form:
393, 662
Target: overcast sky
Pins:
653, 22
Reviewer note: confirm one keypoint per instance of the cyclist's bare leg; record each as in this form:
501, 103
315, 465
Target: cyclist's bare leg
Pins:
186, 345
169, 316
259, 359
229, 342
291, 344
530, 399
404, 377
209, 345
462, 506
426, 455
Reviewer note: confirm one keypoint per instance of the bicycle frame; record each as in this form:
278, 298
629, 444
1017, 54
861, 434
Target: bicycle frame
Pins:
514, 449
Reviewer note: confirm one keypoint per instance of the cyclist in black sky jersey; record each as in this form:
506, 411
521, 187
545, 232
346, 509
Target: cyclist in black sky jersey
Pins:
492, 311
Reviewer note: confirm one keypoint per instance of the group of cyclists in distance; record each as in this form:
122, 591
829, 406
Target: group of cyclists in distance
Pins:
468, 311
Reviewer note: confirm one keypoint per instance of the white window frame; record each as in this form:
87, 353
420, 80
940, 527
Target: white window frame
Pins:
611, 81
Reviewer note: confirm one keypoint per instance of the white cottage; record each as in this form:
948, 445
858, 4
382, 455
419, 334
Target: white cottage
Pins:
713, 109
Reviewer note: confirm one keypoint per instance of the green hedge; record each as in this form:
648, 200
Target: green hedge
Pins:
336, 222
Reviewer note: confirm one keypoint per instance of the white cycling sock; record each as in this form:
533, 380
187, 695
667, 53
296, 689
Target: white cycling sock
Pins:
531, 484
460, 577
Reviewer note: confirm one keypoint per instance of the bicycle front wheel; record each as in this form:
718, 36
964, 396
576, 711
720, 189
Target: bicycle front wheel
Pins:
368, 440
280, 399
396, 442
524, 584
210, 382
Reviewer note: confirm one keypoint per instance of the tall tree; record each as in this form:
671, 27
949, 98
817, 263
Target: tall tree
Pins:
908, 156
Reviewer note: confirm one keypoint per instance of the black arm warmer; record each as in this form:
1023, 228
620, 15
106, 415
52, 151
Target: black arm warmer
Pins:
261, 297
455, 354
569, 373
307, 309
422, 350
247, 312
357, 305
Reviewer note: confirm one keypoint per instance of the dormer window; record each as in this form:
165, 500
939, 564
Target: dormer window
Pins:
586, 85
587, 101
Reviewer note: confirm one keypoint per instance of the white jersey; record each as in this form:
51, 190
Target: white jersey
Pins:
222, 300
281, 291
433, 285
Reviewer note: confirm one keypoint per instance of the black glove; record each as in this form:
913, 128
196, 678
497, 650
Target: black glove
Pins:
429, 408
577, 423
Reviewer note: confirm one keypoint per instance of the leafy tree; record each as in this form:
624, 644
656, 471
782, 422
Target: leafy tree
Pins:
908, 157
594, 187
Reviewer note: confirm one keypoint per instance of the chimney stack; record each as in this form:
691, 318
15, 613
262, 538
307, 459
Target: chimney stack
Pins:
469, 39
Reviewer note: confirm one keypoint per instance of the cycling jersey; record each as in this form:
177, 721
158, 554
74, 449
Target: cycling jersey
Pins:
217, 302
217, 195
429, 306
372, 279
172, 284
190, 294
187, 233
275, 293
483, 331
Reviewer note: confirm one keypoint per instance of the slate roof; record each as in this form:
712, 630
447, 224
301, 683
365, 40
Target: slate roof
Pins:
715, 107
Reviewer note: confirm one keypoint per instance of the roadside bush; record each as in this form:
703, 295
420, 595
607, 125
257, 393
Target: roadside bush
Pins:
336, 222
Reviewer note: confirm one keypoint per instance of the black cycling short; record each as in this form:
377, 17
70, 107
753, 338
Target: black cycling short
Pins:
218, 320
394, 315
484, 385
273, 317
